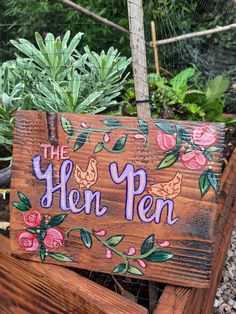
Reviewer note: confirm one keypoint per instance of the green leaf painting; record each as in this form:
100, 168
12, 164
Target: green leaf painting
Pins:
42, 253
119, 268
143, 127
148, 244
81, 140
183, 134
60, 257
24, 199
98, 148
67, 126
20, 206
212, 178
168, 161
112, 122
165, 127
159, 257
120, 144
115, 240
207, 180
56, 220
86, 238
135, 271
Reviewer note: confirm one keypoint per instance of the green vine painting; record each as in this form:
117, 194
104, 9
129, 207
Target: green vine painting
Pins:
82, 136
149, 251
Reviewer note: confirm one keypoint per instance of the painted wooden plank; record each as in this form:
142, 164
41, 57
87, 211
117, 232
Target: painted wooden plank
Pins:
152, 184
29, 287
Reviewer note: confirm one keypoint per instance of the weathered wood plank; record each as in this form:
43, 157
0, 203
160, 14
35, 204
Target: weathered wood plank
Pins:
29, 287
202, 300
227, 217
173, 300
167, 209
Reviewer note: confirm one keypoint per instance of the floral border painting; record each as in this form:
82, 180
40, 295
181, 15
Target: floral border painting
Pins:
194, 150
40, 235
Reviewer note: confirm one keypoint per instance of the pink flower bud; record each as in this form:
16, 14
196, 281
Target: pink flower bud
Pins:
140, 136
131, 251
100, 233
85, 125
142, 263
164, 244
108, 253
106, 138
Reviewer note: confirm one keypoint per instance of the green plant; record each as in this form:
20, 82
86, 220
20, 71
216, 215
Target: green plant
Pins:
60, 79
53, 76
178, 98
11, 98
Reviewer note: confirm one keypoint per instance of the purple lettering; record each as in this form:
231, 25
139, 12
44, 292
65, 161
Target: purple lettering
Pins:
129, 175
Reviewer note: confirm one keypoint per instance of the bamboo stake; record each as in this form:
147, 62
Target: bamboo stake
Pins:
155, 47
139, 58
93, 15
196, 34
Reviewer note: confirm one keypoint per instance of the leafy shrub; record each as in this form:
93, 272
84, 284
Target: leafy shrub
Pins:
176, 99
60, 79
53, 76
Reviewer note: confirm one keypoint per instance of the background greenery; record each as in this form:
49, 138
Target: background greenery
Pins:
211, 55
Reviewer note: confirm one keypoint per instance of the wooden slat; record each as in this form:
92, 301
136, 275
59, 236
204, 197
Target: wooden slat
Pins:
227, 218
29, 287
191, 237
201, 300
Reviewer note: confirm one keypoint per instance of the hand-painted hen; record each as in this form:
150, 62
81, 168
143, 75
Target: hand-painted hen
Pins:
168, 190
87, 178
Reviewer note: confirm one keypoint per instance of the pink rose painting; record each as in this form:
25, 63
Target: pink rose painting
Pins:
28, 241
40, 235
33, 219
165, 141
204, 135
194, 160
194, 148
54, 239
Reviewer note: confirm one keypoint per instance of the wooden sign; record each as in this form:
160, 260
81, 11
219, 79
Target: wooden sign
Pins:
117, 195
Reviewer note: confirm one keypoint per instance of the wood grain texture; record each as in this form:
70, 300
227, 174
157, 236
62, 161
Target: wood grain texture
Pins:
173, 300
29, 287
197, 301
191, 238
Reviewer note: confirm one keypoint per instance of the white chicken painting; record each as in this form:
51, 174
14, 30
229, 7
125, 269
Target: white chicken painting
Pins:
87, 178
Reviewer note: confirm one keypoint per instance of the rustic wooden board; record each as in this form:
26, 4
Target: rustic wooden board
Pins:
155, 183
196, 301
29, 287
